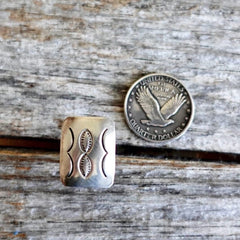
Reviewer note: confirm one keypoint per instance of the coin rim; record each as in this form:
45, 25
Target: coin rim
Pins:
167, 140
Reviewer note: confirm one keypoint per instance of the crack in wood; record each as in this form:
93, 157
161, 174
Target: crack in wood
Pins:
125, 150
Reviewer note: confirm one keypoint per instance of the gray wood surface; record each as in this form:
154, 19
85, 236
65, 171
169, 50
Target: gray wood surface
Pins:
68, 58
151, 199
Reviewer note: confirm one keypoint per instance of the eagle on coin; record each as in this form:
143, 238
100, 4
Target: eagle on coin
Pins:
158, 116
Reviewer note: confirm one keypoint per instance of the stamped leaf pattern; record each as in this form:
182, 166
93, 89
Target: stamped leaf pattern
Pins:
85, 144
85, 141
85, 165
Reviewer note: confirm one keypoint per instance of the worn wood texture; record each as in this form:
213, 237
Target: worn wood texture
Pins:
151, 199
63, 58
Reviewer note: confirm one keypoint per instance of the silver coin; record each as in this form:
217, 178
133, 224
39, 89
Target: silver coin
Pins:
158, 108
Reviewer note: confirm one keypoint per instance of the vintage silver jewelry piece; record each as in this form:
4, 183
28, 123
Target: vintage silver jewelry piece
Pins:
158, 108
87, 152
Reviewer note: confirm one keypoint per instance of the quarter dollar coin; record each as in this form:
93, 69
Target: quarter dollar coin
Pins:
158, 108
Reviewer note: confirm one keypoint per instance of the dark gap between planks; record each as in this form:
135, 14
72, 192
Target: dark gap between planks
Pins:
124, 150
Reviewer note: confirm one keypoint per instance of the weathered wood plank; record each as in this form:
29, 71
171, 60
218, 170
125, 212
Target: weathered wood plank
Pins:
151, 199
62, 58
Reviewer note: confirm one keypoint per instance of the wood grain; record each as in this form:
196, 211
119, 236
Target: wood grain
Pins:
65, 58
151, 199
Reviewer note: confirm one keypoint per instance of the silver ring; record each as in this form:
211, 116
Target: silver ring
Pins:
87, 152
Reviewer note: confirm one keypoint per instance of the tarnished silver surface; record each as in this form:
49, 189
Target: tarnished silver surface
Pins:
158, 108
87, 152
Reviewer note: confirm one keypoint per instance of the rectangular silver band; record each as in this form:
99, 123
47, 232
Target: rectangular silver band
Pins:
87, 152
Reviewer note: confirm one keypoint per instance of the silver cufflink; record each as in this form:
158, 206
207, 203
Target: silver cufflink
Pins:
87, 152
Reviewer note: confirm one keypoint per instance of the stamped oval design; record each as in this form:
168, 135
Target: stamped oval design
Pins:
85, 141
85, 166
